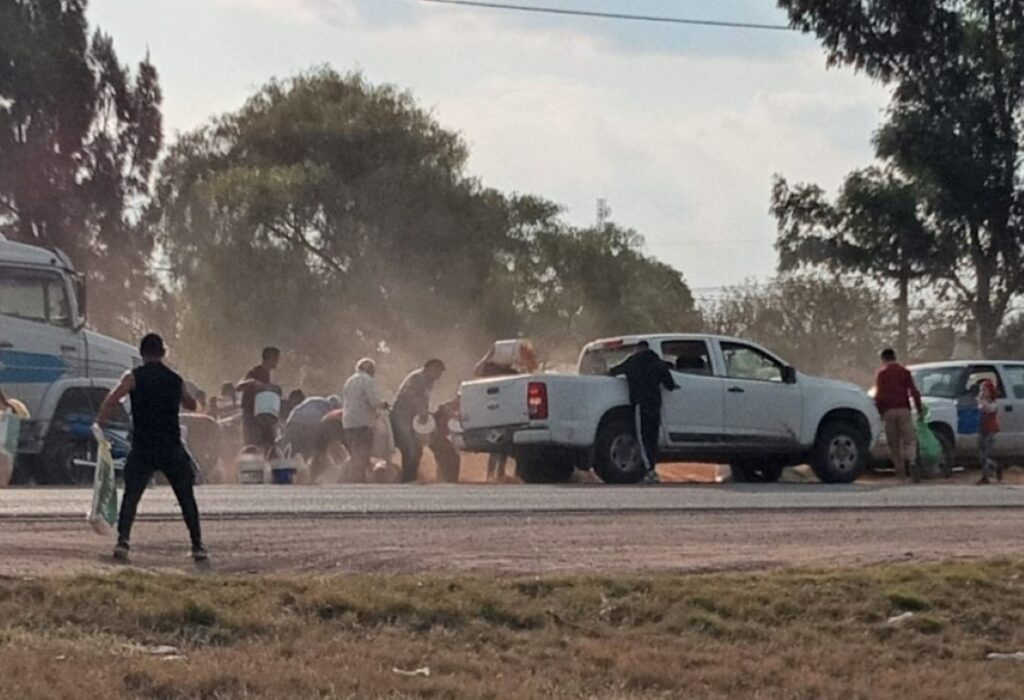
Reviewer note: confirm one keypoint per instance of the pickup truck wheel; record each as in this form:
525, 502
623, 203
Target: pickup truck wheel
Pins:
840, 453
617, 459
543, 467
756, 472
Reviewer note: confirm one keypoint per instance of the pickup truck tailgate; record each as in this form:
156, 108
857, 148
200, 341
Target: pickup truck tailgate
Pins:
494, 403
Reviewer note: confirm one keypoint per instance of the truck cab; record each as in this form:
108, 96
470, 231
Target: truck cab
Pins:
48, 358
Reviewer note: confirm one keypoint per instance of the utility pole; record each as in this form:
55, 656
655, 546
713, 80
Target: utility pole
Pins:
603, 213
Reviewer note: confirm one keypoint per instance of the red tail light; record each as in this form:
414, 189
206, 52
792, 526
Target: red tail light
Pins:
537, 400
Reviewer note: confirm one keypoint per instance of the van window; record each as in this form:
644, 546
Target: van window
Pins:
34, 295
1014, 375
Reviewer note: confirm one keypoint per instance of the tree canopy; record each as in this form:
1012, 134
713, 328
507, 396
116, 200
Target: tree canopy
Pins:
949, 194
334, 218
79, 135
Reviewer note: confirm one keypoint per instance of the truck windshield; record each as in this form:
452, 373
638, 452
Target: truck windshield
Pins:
599, 359
941, 382
34, 295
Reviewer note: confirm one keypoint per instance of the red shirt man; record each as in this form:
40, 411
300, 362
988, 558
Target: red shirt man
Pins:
894, 390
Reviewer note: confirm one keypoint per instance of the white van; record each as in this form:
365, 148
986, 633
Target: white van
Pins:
49, 360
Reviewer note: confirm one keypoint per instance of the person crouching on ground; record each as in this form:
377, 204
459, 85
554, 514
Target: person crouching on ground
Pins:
360, 406
894, 391
157, 393
988, 405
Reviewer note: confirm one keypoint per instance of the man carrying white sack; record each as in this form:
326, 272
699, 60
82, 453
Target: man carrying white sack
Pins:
156, 393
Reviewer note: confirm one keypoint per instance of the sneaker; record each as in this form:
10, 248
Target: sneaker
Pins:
651, 478
983, 481
121, 551
200, 555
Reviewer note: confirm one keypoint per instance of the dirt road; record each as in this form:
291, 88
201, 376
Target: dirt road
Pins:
528, 544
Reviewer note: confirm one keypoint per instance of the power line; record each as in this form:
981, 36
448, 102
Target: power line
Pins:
537, 9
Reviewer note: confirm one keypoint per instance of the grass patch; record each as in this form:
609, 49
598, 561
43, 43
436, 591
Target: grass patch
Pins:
820, 634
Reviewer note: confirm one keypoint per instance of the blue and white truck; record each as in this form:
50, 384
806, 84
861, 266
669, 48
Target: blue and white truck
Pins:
50, 361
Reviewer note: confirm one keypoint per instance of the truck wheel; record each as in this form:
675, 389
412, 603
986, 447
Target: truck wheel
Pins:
57, 461
840, 453
756, 472
544, 467
617, 458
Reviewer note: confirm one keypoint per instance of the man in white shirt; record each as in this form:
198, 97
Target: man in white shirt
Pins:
361, 405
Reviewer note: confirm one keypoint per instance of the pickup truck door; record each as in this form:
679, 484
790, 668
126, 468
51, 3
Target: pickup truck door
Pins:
38, 345
692, 415
760, 407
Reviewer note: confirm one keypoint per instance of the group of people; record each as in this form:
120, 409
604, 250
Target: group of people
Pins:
318, 423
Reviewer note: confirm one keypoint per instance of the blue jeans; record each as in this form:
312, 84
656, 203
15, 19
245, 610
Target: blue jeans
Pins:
986, 445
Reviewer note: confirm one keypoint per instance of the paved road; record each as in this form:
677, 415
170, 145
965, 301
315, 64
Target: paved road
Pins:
297, 501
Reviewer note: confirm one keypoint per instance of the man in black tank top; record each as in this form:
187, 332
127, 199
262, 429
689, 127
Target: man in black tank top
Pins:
156, 394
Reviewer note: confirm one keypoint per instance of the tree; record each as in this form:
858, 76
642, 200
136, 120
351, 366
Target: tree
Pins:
952, 132
829, 327
335, 218
594, 283
78, 138
873, 228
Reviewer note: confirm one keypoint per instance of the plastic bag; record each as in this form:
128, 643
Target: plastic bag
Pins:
929, 449
103, 513
9, 428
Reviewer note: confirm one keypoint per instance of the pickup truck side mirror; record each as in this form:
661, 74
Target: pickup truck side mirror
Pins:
789, 375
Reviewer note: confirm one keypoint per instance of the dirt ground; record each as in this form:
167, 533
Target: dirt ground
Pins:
547, 544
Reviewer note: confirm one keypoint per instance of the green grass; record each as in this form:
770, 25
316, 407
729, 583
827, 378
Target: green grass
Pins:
791, 634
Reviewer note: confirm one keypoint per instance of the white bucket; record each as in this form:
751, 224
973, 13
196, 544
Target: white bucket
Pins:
267, 403
424, 429
506, 353
251, 468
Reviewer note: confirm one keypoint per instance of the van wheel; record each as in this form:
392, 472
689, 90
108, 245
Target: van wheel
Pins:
840, 453
617, 458
756, 472
544, 467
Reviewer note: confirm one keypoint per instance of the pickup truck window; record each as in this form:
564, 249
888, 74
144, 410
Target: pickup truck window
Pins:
598, 360
34, 296
745, 362
688, 356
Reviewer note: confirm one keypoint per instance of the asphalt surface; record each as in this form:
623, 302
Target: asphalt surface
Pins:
240, 502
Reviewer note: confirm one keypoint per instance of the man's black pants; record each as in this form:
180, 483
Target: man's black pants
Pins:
648, 430
139, 469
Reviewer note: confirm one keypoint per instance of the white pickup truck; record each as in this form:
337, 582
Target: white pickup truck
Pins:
737, 404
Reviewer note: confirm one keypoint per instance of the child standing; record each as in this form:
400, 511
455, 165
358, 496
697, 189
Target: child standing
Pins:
989, 408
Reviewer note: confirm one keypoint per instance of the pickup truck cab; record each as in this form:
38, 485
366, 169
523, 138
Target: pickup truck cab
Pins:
737, 404
944, 384
49, 360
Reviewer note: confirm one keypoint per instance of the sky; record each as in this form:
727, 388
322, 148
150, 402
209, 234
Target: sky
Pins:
680, 128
